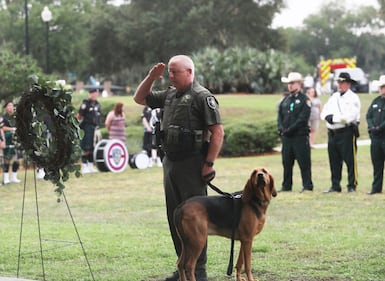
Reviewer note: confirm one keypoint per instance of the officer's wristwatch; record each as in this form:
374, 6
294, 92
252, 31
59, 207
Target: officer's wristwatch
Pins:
209, 163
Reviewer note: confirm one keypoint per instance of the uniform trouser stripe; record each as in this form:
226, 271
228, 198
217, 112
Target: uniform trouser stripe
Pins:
355, 160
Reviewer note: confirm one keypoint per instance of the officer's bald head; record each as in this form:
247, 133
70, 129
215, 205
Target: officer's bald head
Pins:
184, 62
181, 71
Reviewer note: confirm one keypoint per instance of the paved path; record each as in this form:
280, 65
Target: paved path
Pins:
325, 145
13, 279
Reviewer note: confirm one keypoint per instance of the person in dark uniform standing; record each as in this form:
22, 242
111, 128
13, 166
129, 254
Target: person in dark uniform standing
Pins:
11, 154
89, 117
375, 118
192, 138
293, 126
342, 115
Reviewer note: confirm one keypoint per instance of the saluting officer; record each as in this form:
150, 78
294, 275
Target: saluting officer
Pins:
293, 126
375, 118
192, 138
89, 116
342, 116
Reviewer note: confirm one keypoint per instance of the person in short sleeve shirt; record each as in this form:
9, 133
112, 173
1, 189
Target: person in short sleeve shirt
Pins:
192, 138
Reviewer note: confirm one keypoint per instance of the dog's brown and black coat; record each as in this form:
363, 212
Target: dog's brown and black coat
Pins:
201, 216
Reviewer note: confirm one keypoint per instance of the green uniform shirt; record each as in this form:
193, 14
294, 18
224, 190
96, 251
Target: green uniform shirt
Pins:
376, 115
186, 116
294, 113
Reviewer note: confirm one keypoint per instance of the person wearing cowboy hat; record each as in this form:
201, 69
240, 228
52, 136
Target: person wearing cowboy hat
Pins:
342, 115
375, 118
293, 126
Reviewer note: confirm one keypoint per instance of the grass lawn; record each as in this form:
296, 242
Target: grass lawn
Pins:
121, 220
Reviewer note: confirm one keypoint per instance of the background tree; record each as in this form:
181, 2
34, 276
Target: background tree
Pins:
337, 32
93, 37
69, 33
15, 70
168, 27
382, 8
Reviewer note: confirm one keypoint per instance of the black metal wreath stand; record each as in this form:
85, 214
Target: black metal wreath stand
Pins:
39, 229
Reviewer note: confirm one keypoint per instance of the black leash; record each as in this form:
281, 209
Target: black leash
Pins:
235, 222
218, 190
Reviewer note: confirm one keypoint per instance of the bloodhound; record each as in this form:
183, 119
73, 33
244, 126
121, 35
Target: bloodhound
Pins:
213, 215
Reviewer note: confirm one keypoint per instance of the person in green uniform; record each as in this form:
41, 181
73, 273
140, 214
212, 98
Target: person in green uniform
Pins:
192, 136
11, 154
293, 126
342, 115
375, 118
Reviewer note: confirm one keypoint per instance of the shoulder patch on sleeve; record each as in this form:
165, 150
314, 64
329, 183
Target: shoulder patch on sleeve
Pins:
308, 102
83, 106
211, 102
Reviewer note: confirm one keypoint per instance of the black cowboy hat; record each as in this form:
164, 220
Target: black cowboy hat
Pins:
93, 90
345, 77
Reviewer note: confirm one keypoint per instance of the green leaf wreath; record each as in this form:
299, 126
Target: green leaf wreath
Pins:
48, 130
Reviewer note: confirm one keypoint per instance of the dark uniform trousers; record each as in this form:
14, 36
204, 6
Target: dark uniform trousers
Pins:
87, 142
377, 152
178, 189
296, 147
342, 147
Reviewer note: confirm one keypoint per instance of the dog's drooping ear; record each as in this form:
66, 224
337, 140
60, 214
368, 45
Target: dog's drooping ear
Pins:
272, 186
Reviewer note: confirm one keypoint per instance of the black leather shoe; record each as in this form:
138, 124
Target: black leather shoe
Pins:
173, 277
373, 192
305, 189
330, 190
351, 189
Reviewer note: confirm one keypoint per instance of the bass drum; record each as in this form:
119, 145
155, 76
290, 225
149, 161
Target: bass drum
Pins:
139, 160
111, 156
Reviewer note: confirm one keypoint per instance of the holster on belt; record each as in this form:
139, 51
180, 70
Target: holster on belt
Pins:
180, 143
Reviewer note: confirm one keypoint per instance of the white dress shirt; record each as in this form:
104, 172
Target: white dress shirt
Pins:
344, 108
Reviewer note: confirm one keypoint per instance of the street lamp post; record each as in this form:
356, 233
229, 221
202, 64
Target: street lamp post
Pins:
26, 32
46, 16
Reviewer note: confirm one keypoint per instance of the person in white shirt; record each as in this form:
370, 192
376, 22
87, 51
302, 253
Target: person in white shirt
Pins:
342, 116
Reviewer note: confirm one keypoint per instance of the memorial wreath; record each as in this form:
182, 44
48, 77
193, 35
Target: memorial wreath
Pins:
48, 131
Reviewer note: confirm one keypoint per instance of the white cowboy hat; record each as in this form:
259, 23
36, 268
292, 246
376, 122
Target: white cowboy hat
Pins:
292, 77
381, 82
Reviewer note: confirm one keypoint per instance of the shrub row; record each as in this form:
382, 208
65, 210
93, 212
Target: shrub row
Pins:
248, 139
241, 69
240, 139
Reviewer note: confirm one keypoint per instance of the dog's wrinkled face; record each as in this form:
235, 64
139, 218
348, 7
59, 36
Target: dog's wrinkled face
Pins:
263, 184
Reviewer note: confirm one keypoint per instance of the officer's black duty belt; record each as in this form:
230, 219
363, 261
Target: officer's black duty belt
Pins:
338, 131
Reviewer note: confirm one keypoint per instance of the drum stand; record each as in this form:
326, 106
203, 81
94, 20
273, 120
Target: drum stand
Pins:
39, 229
